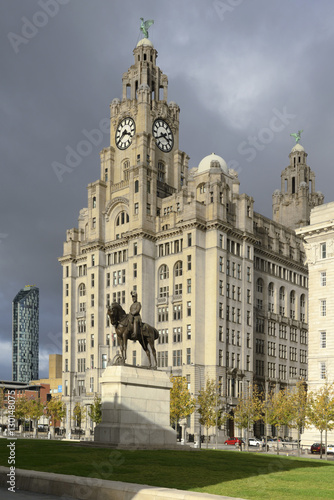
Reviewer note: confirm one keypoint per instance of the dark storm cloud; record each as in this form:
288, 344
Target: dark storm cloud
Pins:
233, 66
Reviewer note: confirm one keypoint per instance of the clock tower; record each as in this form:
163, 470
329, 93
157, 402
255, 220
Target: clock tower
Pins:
143, 156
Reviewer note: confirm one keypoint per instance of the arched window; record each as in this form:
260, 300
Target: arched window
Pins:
178, 269
126, 166
201, 188
259, 285
82, 290
292, 304
282, 301
122, 218
271, 289
94, 201
163, 272
302, 308
161, 171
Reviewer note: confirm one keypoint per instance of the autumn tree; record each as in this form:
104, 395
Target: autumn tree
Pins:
209, 406
297, 400
79, 414
95, 411
22, 409
248, 410
278, 410
35, 409
55, 410
320, 411
182, 404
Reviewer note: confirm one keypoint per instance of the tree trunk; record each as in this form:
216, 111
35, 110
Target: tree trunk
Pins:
321, 444
207, 437
277, 443
298, 443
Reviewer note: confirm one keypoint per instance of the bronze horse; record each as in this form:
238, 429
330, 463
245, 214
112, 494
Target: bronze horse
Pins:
120, 320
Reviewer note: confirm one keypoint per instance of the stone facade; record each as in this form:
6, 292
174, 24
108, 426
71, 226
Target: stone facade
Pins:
319, 247
225, 286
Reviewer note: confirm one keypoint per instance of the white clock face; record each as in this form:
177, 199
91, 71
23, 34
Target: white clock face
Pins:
163, 135
124, 133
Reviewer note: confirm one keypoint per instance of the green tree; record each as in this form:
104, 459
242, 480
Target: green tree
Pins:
297, 400
35, 409
320, 411
79, 414
22, 410
279, 410
55, 410
209, 406
248, 410
182, 404
95, 411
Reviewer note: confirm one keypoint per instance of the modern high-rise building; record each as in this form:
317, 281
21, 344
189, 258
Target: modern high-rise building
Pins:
25, 335
225, 286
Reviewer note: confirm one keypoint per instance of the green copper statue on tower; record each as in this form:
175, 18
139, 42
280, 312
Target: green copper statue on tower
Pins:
297, 135
145, 25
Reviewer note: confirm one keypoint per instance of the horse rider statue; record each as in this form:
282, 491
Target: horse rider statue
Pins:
134, 316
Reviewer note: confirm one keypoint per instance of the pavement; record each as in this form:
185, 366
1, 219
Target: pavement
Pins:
25, 495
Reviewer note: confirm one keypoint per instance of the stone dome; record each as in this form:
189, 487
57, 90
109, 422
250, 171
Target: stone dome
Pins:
144, 41
297, 147
205, 164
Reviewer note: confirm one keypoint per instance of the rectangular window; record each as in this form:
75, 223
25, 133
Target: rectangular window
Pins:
189, 285
177, 357
135, 270
136, 208
134, 358
323, 278
221, 264
323, 373
323, 340
323, 250
322, 307
189, 308
189, 262
189, 239
188, 355
104, 361
92, 340
108, 280
177, 312
188, 332
92, 280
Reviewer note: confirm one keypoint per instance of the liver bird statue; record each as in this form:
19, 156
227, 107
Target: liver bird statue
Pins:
145, 26
297, 135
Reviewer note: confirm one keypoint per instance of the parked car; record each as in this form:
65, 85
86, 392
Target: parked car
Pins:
233, 441
315, 448
330, 448
254, 442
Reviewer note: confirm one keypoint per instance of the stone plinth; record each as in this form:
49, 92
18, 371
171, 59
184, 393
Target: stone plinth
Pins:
135, 408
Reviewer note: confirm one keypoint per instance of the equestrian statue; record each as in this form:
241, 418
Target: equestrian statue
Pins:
130, 327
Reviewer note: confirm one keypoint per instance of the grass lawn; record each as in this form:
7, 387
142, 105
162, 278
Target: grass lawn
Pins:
245, 475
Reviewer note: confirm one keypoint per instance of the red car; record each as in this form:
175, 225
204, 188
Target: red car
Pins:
315, 448
233, 441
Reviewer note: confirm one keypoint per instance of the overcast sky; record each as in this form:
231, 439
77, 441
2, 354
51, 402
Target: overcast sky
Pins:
245, 73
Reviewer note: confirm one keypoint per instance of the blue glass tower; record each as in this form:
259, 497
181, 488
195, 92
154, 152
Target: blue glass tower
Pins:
26, 334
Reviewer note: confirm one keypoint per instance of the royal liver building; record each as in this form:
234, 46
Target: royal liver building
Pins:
225, 287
